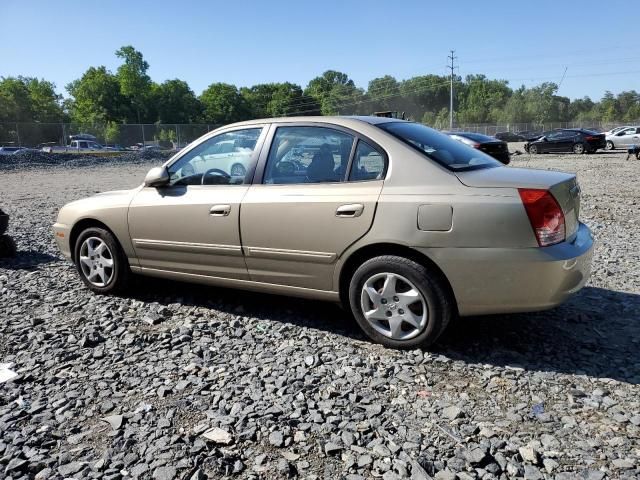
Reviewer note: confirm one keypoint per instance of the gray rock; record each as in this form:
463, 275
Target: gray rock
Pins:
69, 469
331, 448
276, 438
164, 473
218, 435
529, 454
452, 412
115, 421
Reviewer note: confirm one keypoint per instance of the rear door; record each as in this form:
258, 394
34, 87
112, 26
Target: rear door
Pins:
305, 208
564, 140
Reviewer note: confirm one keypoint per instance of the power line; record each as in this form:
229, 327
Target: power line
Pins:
451, 57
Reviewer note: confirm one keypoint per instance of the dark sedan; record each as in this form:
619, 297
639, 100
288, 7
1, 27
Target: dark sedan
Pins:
489, 145
510, 137
576, 140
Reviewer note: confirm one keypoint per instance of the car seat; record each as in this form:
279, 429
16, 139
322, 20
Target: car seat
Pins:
321, 168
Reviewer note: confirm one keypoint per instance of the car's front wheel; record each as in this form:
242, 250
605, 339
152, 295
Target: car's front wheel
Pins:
398, 302
533, 149
610, 145
99, 259
578, 149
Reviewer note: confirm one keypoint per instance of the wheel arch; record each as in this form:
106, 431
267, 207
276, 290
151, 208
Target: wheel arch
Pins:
364, 253
82, 225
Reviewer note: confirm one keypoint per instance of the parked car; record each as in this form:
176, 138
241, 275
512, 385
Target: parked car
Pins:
402, 224
624, 138
529, 136
576, 140
615, 130
10, 150
498, 149
76, 146
510, 137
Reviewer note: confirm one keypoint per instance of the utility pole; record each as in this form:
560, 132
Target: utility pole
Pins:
452, 67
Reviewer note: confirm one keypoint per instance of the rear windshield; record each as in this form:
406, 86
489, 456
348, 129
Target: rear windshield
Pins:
437, 146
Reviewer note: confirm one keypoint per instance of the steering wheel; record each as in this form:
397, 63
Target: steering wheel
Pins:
216, 171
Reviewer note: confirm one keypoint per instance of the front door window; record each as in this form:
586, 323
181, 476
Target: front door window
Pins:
221, 160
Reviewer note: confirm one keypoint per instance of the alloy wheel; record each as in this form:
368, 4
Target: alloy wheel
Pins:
96, 261
393, 306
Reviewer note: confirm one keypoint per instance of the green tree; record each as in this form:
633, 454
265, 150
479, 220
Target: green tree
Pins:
383, 93
96, 98
26, 99
175, 102
222, 103
424, 93
335, 92
482, 99
135, 84
278, 99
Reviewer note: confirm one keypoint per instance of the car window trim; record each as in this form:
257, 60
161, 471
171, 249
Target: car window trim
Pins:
258, 178
221, 131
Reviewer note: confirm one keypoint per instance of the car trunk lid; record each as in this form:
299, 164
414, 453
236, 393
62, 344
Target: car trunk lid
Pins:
563, 186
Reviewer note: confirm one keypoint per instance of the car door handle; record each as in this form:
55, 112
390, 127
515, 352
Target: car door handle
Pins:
350, 211
220, 210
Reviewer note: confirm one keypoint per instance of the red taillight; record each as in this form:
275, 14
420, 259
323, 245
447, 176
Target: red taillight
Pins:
545, 215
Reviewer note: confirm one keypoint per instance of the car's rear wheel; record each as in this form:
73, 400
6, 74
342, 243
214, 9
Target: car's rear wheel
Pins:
533, 149
578, 149
100, 261
398, 302
610, 145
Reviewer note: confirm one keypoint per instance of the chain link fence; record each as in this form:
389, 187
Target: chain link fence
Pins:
38, 135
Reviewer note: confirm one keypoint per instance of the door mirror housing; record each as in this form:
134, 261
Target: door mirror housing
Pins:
157, 177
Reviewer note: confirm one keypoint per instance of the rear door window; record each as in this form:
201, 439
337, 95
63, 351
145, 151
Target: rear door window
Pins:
308, 155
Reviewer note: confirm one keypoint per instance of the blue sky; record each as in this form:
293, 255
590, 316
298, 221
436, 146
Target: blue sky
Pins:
249, 42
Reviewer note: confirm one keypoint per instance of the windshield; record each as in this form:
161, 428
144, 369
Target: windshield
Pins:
437, 146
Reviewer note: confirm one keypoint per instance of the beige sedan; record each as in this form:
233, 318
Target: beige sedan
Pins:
401, 224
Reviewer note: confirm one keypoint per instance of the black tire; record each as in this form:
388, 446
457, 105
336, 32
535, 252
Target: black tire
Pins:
610, 145
533, 149
238, 170
121, 273
7, 247
579, 148
440, 307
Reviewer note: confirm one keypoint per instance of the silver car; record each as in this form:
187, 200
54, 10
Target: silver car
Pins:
403, 225
624, 138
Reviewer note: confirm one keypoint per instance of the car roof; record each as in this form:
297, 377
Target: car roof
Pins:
345, 121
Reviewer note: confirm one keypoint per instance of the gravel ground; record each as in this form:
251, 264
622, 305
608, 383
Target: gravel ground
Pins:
182, 381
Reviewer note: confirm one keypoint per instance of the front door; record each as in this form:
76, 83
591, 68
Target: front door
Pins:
308, 209
192, 225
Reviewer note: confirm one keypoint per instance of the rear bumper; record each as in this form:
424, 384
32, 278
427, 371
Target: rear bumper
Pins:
597, 144
503, 280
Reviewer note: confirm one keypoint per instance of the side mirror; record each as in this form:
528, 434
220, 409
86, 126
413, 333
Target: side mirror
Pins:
157, 177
